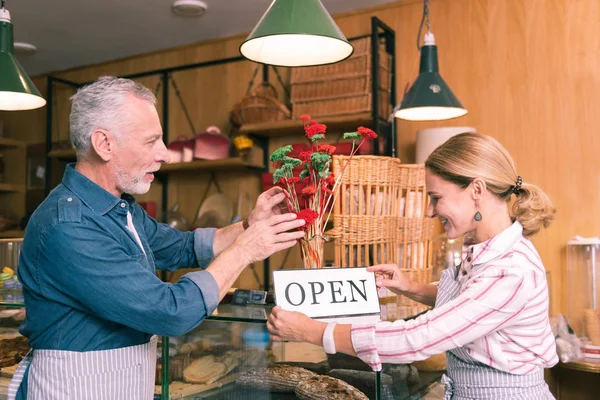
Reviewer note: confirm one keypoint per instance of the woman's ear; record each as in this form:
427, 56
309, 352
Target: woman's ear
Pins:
479, 188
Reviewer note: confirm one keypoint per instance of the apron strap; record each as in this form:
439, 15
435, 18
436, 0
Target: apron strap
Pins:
17, 378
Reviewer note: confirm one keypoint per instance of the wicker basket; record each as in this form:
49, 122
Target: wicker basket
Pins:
358, 64
343, 105
365, 210
413, 203
342, 88
260, 106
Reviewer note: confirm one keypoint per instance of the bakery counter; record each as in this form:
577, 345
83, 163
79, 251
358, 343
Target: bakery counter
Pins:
230, 356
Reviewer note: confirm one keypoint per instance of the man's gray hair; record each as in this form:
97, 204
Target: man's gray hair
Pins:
100, 105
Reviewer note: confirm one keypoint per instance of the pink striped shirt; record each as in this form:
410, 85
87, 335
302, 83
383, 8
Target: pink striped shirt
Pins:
499, 316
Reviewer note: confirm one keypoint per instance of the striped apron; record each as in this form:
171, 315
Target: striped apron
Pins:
468, 379
126, 373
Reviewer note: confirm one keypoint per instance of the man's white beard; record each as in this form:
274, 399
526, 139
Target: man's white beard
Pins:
131, 185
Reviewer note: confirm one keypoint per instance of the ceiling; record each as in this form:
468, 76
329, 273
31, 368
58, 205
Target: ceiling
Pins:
73, 33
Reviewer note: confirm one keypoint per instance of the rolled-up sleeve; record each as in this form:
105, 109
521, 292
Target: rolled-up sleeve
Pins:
105, 281
208, 287
487, 304
204, 239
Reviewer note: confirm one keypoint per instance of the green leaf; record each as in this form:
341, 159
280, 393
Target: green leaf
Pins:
304, 174
280, 153
278, 174
352, 135
291, 161
316, 137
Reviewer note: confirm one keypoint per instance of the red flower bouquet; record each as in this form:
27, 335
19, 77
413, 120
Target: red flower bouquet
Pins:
321, 186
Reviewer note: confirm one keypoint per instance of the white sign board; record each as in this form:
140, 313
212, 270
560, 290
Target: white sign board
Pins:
327, 292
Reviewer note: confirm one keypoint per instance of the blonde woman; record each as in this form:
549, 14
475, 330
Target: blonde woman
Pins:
491, 312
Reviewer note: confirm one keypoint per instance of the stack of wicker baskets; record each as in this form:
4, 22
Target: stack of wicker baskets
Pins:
342, 88
380, 217
415, 230
365, 210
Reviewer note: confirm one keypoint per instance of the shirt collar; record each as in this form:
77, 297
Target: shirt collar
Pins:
486, 251
96, 198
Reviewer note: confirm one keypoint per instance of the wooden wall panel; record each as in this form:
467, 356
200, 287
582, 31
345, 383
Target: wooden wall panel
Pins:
525, 69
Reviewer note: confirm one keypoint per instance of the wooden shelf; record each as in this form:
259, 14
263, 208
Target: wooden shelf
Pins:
295, 127
6, 143
12, 234
209, 165
9, 187
63, 154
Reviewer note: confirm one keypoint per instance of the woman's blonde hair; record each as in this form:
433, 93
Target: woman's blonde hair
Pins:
467, 156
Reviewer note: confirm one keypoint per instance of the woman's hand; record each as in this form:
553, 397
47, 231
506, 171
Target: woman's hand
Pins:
389, 276
293, 326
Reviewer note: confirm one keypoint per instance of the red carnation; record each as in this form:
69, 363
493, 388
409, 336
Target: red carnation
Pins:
305, 118
290, 180
330, 180
315, 129
307, 215
304, 156
326, 148
366, 132
309, 191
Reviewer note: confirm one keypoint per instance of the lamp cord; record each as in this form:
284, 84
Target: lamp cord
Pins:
3, 1
424, 19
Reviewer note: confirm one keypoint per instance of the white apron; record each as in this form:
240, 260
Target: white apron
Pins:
120, 374
467, 379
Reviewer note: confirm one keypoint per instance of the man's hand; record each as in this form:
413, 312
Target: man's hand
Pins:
268, 236
274, 201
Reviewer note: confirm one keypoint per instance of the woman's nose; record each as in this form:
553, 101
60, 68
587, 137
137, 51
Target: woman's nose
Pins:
430, 211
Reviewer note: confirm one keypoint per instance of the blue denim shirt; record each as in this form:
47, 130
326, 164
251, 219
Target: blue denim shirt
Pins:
87, 283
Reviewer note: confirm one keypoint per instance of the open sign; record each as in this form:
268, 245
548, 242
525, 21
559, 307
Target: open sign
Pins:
327, 292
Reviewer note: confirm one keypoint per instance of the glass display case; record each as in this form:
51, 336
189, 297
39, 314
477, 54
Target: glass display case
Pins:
13, 346
230, 356
583, 279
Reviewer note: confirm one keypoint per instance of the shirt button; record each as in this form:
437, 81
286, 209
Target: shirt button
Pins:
122, 205
469, 259
70, 199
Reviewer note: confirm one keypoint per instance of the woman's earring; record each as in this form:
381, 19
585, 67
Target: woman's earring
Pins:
478, 216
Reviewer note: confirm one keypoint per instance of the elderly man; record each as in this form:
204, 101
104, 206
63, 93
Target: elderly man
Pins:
90, 253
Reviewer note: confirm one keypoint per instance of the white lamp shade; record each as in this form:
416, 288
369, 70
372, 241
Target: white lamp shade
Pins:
430, 139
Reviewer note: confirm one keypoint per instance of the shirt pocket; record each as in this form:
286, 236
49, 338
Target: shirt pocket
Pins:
122, 384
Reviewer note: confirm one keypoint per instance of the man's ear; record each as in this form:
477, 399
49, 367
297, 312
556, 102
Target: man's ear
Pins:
103, 143
479, 188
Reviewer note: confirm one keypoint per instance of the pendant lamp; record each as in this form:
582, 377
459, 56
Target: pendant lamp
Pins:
17, 92
429, 98
296, 33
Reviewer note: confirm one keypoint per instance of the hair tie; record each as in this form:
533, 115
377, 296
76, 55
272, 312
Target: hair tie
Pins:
515, 189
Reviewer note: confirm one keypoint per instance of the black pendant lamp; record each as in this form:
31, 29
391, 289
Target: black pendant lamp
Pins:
430, 97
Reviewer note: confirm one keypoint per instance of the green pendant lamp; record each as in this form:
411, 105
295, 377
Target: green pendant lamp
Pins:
17, 92
429, 98
296, 33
